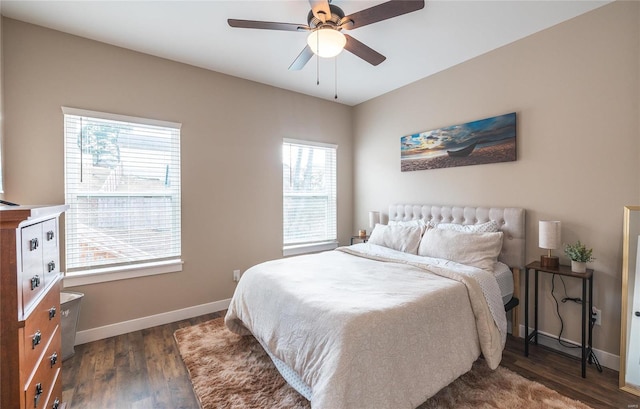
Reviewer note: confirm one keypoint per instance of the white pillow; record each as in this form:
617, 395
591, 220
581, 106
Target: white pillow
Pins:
397, 237
488, 227
475, 249
410, 223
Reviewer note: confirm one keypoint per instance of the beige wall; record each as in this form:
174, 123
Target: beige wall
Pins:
232, 133
575, 88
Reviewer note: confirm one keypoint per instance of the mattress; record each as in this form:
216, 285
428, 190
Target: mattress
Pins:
504, 276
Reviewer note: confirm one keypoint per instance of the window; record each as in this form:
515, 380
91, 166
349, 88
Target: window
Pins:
309, 196
122, 183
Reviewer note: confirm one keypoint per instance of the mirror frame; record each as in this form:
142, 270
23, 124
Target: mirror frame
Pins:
627, 248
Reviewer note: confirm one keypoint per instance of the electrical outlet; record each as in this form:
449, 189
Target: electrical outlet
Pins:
597, 315
236, 275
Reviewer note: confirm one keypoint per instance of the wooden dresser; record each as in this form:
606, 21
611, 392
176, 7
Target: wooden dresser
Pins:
30, 281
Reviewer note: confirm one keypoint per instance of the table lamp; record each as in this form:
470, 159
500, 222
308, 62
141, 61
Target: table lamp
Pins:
374, 218
549, 239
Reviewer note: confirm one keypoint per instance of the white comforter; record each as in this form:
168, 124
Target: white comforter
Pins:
369, 327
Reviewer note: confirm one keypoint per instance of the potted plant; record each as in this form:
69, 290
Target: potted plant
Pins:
580, 255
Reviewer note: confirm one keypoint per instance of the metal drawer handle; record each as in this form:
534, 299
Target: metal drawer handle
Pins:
51, 266
35, 282
50, 235
56, 404
52, 313
53, 359
33, 244
36, 339
38, 393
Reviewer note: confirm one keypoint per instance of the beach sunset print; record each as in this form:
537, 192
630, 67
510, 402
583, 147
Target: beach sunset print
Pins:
488, 140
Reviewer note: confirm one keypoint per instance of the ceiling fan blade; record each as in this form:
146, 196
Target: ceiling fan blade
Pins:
368, 54
266, 25
320, 9
381, 12
302, 59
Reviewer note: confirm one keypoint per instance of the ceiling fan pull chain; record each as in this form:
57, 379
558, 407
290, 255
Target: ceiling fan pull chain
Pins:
335, 78
317, 60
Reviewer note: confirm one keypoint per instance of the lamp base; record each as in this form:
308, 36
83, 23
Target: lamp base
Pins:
549, 261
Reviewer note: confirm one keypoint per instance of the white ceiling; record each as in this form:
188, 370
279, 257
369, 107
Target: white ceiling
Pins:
419, 44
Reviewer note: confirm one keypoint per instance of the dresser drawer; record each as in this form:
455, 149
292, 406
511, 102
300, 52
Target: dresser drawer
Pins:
41, 385
50, 252
55, 398
31, 276
40, 325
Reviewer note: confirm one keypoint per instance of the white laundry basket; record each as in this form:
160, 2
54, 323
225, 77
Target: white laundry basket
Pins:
70, 308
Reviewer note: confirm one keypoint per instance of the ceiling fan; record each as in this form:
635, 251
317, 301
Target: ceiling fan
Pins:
325, 23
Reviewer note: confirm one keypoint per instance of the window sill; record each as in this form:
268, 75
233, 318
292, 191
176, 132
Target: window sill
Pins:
104, 275
308, 248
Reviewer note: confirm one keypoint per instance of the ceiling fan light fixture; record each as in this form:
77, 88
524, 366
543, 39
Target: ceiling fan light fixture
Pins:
326, 42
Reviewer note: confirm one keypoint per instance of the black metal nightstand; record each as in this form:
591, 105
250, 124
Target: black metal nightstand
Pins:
587, 278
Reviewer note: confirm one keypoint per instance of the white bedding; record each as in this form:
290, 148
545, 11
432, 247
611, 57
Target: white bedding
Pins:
370, 327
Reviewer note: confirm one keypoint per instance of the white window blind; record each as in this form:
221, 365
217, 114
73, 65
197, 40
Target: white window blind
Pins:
122, 182
309, 193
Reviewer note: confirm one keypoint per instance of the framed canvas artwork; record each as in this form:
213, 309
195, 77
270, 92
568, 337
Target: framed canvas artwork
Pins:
488, 140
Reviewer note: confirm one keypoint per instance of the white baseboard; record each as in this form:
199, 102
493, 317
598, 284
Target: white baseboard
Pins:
111, 330
605, 359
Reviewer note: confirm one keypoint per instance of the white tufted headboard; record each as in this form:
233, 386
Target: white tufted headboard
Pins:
510, 219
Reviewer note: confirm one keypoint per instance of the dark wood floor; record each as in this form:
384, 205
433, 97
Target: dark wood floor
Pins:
138, 370
562, 373
143, 370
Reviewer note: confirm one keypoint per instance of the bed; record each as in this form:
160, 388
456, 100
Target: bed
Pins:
388, 323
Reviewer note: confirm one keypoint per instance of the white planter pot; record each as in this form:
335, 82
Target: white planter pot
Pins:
578, 266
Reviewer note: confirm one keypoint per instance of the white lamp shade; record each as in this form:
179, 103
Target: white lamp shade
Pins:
374, 217
326, 42
549, 234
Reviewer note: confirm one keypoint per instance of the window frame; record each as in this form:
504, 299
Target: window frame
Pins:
321, 245
121, 271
